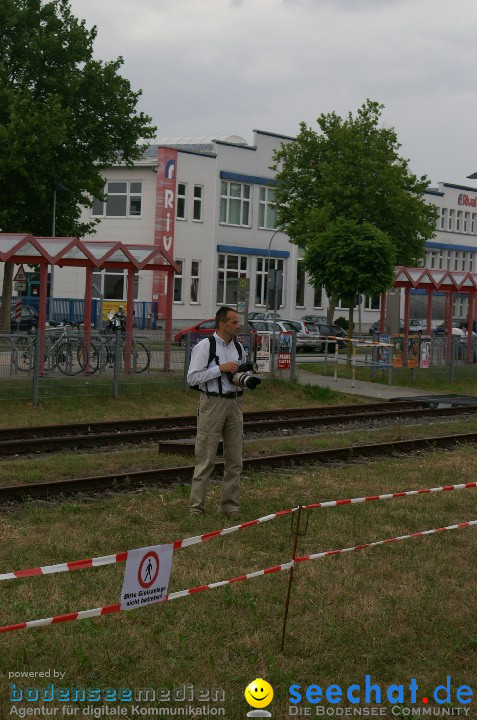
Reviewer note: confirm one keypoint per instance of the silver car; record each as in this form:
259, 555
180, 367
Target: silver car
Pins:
307, 333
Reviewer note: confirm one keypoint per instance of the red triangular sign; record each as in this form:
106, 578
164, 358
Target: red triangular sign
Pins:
21, 275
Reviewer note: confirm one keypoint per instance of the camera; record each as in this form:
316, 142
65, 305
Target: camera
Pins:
244, 376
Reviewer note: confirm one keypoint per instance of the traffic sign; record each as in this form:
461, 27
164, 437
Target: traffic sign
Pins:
20, 286
21, 275
146, 577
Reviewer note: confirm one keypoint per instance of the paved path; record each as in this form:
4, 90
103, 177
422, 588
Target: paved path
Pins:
361, 387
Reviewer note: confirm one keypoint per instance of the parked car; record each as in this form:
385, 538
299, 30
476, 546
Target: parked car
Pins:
416, 327
338, 331
456, 325
314, 318
307, 333
28, 319
205, 328
262, 315
310, 336
333, 330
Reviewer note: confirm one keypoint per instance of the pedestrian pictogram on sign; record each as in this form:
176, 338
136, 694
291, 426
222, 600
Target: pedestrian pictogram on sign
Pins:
148, 573
146, 577
21, 275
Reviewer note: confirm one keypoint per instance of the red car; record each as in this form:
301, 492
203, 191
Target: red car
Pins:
206, 327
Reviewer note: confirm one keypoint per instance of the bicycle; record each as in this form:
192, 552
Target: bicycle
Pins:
22, 352
65, 352
103, 348
68, 353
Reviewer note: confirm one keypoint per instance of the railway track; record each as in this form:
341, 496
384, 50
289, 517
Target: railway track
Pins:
167, 477
54, 438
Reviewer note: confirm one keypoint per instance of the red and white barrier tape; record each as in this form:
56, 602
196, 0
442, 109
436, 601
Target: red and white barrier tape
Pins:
122, 557
390, 496
109, 609
422, 533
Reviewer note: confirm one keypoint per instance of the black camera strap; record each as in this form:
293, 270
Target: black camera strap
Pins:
213, 356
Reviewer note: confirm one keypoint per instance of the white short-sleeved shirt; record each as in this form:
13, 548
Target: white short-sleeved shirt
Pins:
206, 377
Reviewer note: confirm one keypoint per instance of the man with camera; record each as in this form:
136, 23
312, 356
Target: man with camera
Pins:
218, 369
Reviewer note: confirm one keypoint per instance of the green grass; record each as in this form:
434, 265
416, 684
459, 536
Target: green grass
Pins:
397, 611
436, 379
160, 399
67, 465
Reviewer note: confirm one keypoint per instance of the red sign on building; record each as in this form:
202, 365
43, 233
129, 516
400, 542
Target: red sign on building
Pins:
164, 220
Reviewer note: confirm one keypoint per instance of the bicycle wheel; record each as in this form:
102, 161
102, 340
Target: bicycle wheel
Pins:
95, 355
71, 357
23, 357
140, 357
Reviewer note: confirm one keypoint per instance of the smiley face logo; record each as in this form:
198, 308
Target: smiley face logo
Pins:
259, 693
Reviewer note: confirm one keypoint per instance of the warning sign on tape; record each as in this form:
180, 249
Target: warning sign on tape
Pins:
142, 557
146, 577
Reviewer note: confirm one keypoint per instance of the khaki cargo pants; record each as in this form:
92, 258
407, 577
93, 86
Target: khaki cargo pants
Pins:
218, 418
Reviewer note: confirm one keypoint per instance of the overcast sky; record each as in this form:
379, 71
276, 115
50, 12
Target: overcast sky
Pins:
229, 66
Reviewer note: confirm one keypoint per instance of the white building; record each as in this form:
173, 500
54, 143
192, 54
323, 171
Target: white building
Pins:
209, 201
454, 246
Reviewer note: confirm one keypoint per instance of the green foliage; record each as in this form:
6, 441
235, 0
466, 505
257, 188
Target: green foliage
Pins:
350, 258
352, 169
342, 322
63, 117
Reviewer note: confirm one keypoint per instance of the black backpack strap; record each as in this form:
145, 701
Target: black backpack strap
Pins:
240, 349
213, 356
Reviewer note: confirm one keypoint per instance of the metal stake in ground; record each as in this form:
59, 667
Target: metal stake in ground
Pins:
290, 575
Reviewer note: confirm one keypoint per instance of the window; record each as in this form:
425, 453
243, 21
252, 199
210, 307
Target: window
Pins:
123, 199
261, 281
466, 222
456, 260
433, 259
448, 260
231, 268
194, 281
267, 217
471, 261
372, 302
300, 284
342, 304
441, 260
464, 261
178, 277
459, 221
112, 285
473, 226
443, 218
181, 201
197, 212
235, 204
318, 297
451, 220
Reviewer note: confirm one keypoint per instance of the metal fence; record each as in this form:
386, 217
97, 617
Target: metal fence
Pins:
418, 357
64, 362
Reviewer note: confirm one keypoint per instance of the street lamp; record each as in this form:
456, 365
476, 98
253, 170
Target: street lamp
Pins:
57, 186
274, 301
268, 261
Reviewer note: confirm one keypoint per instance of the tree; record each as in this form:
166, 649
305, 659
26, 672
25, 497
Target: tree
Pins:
64, 116
349, 258
352, 169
